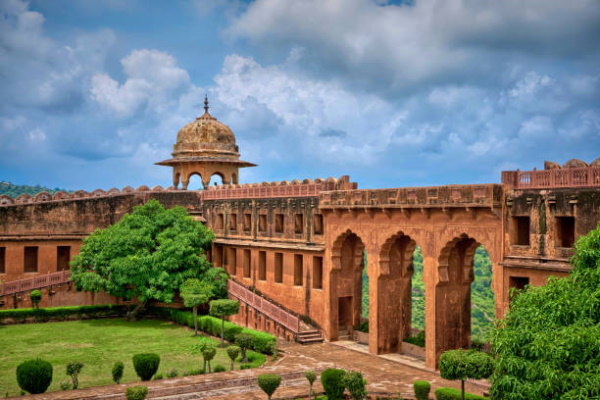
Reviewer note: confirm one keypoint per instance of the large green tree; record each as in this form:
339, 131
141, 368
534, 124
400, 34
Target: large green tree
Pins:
147, 255
548, 346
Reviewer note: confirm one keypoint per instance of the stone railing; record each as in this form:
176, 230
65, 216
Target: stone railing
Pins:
264, 306
553, 178
489, 195
36, 282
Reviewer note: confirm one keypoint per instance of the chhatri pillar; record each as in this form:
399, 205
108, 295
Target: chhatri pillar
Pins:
205, 147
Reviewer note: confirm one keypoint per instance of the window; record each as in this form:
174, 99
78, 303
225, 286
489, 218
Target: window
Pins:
519, 231
262, 265
247, 259
299, 223
233, 222
232, 261
63, 256
247, 222
279, 223
31, 259
318, 224
317, 272
565, 231
2, 260
218, 256
517, 282
262, 223
298, 270
279, 267
219, 223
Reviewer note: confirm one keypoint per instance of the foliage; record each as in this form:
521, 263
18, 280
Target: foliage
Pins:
15, 191
311, 376
454, 394
548, 345
220, 368
363, 327
233, 352
136, 393
422, 389
147, 255
222, 308
418, 340
332, 381
73, 369
356, 384
244, 341
117, 371
146, 365
62, 313
195, 293
269, 383
206, 347
35, 296
34, 376
465, 364
245, 366
173, 373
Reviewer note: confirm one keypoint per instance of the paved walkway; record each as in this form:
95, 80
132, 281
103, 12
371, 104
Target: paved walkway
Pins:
384, 374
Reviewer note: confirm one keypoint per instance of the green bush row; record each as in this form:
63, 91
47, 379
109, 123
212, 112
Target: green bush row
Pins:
261, 341
454, 394
45, 314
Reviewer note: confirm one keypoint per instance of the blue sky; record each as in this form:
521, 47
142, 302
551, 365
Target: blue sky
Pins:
392, 93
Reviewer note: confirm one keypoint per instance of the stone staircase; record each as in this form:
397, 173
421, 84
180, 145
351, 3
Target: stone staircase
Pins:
312, 336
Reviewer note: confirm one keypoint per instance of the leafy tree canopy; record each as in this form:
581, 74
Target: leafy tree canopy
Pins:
148, 254
548, 346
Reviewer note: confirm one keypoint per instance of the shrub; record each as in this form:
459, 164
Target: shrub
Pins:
356, 385
73, 370
34, 376
363, 327
219, 368
158, 377
269, 383
311, 376
233, 352
65, 385
464, 364
117, 371
35, 296
331, 379
172, 373
422, 389
63, 313
146, 365
222, 308
244, 340
136, 393
197, 371
245, 366
454, 394
418, 340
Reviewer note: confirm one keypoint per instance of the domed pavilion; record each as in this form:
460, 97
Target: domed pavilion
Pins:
205, 147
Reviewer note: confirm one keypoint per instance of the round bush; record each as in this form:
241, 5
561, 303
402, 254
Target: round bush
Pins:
35, 296
34, 376
332, 382
136, 393
219, 368
356, 384
117, 371
422, 389
146, 365
269, 383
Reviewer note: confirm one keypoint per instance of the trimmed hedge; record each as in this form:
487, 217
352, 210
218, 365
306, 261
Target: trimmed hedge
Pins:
422, 389
261, 342
20, 315
332, 381
34, 376
146, 365
454, 394
136, 393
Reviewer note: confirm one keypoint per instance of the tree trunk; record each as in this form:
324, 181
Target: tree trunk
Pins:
133, 315
222, 330
195, 311
462, 388
204, 365
310, 392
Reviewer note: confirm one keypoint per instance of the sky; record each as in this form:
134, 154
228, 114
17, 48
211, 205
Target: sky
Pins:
392, 93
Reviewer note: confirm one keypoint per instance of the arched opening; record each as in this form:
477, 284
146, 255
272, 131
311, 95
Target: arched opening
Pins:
346, 281
453, 295
394, 293
216, 179
483, 300
417, 301
194, 182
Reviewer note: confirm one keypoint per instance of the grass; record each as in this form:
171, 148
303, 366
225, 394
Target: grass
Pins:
98, 344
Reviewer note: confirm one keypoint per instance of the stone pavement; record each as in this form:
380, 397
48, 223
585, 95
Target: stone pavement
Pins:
384, 374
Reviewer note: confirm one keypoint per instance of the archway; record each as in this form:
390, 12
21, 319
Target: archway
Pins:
453, 295
346, 284
217, 179
394, 293
194, 182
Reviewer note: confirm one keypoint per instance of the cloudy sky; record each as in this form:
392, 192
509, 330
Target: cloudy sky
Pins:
392, 93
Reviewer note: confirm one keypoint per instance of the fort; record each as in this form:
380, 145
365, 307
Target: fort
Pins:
295, 249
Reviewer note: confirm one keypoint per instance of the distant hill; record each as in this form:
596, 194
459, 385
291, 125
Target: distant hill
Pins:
15, 191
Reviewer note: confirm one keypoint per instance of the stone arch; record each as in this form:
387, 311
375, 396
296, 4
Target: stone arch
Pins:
346, 283
394, 292
6, 200
220, 175
188, 177
453, 294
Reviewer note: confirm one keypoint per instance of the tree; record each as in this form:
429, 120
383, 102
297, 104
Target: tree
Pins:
35, 296
208, 350
311, 377
148, 254
222, 308
244, 341
547, 346
195, 293
73, 370
269, 383
465, 364
233, 352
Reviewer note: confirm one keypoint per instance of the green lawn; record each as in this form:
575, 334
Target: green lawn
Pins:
98, 344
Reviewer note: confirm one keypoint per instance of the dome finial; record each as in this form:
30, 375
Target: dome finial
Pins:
205, 103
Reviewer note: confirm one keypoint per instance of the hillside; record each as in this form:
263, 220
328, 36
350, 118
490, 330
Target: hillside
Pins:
15, 191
